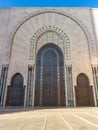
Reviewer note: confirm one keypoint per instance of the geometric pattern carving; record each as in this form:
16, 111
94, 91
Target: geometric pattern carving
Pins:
50, 81
69, 85
15, 93
50, 37
50, 88
30, 85
82, 81
84, 92
50, 34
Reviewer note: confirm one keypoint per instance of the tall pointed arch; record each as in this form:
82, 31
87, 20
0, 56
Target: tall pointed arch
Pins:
50, 84
84, 92
15, 93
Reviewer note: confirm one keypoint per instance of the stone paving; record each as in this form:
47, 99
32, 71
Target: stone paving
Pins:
49, 118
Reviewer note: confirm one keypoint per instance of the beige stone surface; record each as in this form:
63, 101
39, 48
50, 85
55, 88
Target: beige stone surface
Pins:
70, 24
10, 20
18, 25
21, 42
95, 22
85, 118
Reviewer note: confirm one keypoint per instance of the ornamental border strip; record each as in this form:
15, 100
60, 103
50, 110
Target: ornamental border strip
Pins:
44, 29
90, 40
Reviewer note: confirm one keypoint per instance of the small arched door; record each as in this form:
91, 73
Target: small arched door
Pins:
84, 92
49, 84
15, 93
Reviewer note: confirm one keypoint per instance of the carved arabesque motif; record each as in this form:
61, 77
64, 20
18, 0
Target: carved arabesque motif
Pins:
50, 37
50, 34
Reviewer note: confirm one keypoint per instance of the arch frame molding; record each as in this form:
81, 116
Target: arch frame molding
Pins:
65, 45
91, 44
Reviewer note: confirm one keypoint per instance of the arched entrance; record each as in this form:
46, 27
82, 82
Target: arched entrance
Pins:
49, 83
84, 92
15, 93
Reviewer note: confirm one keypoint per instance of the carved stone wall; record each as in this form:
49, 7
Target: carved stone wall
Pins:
23, 31
50, 34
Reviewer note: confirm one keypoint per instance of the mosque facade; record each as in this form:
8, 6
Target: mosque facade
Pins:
49, 57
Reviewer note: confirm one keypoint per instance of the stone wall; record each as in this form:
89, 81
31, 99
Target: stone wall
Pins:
20, 29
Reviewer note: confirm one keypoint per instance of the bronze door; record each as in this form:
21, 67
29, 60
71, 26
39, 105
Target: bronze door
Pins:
49, 85
15, 94
50, 78
84, 92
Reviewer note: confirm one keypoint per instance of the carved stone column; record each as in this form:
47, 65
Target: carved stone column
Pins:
3, 82
30, 86
70, 99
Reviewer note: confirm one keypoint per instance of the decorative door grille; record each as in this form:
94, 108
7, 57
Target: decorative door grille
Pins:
15, 94
49, 85
84, 92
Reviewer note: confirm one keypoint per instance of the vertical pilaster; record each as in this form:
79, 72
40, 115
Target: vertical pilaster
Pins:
95, 78
41, 82
70, 99
66, 86
30, 86
25, 95
34, 69
58, 80
3, 82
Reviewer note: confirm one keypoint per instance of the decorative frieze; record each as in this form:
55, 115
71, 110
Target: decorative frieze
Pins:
50, 34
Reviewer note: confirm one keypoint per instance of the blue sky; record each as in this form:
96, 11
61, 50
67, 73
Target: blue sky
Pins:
48, 3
